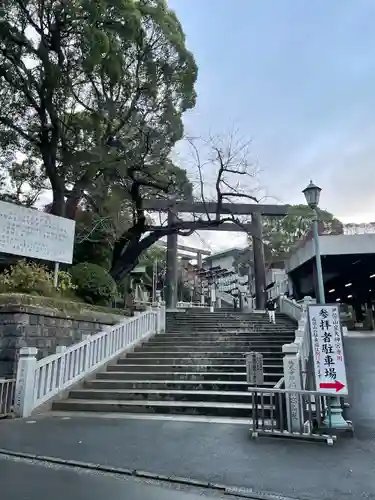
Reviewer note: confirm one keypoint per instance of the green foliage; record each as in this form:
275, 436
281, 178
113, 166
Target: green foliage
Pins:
75, 74
65, 283
25, 277
93, 283
280, 234
153, 258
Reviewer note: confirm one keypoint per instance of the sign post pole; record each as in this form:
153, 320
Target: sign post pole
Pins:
328, 357
56, 274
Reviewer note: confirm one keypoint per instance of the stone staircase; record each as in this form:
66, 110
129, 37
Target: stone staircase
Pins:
196, 368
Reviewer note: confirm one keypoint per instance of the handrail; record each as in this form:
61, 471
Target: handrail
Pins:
290, 307
188, 305
39, 381
6, 396
227, 297
301, 345
279, 288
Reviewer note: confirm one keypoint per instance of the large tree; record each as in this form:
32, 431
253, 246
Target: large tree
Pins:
78, 78
222, 172
280, 234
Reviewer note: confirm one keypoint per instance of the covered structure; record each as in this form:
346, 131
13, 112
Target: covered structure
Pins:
348, 264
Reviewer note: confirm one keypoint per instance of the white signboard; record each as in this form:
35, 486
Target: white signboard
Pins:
30, 233
327, 348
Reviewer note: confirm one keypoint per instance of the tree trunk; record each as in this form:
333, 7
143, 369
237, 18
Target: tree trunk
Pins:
49, 152
128, 260
58, 203
71, 207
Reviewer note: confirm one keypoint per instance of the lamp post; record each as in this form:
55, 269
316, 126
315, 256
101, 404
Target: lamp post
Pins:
312, 195
334, 417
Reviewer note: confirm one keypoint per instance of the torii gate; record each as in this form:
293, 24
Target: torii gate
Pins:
254, 229
183, 248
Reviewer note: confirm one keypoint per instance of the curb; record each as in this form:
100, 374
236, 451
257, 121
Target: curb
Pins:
226, 490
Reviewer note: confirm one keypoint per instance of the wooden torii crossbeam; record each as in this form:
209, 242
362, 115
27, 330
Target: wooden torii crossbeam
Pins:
254, 229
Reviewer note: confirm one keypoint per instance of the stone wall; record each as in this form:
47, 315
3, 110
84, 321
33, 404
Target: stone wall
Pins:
43, 328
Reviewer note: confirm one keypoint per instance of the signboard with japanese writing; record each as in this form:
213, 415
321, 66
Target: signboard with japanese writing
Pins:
254, 368
327, 349
31, 233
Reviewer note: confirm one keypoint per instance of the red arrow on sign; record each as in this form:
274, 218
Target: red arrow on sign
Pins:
332, 385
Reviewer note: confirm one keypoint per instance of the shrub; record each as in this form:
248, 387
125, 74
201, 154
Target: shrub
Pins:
65, 283
93, 283
26, 277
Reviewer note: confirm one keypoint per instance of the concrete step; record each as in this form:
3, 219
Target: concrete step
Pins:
176, 367
199, 354
185, 368
166, 384
150, 347
228, 321
218, 339
230, 327
204, 360
206, 313
188, 361
158, 407
164, 395
222, 376
235, 332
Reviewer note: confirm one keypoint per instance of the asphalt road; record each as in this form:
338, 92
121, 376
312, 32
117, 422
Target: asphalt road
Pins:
33, 481
221, 453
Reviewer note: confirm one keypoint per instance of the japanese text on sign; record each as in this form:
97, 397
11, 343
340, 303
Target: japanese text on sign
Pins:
327, 348
31, 233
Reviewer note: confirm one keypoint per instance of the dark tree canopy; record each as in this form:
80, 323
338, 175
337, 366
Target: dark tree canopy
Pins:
280, 234
78, 78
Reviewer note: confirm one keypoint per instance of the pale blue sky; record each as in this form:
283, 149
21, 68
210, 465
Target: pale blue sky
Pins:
298, 78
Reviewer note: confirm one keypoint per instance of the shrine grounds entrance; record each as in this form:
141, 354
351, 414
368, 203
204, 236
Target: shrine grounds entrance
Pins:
219, 223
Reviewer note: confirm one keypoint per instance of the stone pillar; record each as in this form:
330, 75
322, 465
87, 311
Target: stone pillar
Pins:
293, 380
199, 266
172, 269
259, 266
199, 260
24, 393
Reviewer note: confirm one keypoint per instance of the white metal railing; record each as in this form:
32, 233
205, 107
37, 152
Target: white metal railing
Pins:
7, 387
290, 308
226, 297
39, 381
279, 288
188, 305
148, 303
296, 354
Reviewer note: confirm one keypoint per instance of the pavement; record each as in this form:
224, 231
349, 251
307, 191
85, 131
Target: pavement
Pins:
220, 453
46, 481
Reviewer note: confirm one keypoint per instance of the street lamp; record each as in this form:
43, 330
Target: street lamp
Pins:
334, 416
312, 195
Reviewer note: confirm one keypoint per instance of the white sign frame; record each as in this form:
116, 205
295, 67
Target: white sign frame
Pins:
327, 349
31, 233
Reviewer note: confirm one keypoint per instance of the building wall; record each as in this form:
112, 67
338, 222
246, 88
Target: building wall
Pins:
45, 329
342, 244
225, 262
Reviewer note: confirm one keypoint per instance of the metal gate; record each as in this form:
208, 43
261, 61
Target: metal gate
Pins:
7, 388
291, 413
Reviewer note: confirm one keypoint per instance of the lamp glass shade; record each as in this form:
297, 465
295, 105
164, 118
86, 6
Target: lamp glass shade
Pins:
312, 194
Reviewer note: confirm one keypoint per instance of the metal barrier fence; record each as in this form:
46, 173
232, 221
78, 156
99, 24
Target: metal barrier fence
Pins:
291, 413
7, 388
